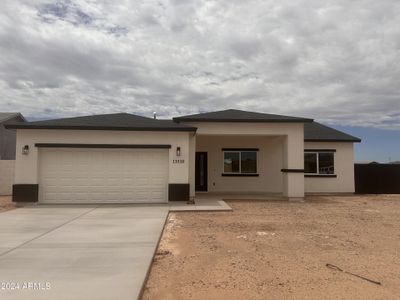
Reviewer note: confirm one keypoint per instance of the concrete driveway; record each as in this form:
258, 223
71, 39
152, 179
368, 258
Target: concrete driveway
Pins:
77, 252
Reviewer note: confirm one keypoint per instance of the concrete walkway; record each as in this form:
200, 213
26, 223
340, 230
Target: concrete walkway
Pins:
77, 252
200, 205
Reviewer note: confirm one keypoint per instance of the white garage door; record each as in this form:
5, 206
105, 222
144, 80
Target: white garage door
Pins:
103, 175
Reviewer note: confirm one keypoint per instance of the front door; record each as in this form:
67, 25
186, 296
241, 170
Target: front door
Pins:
201, 171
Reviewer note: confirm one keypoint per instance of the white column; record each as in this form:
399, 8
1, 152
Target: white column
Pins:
192, 164
293, 159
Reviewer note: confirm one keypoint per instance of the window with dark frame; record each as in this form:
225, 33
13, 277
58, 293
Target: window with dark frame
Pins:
231, 162
319, 163
310, 163
240, 162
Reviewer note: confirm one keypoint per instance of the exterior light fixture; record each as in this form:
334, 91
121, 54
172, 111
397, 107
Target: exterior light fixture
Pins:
178, 151
25, 150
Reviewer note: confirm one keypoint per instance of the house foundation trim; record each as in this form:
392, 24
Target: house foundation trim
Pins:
178, 192
25, 193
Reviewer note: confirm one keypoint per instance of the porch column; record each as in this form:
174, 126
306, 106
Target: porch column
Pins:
192, 164
293, 162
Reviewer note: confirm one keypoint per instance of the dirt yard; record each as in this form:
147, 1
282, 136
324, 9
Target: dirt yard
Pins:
6, 203
279, 250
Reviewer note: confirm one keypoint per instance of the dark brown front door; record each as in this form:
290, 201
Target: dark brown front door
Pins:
201, 171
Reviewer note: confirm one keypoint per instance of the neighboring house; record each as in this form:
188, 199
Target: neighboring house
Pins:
124, 158
7, 151
7, 136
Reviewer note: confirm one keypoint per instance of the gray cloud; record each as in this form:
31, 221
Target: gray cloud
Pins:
64, 10
334, 60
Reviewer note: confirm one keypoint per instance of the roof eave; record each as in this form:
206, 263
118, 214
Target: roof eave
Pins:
26, 126
334, 140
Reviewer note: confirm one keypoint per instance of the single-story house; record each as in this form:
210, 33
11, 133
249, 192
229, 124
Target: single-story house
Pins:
7, 150
125, 158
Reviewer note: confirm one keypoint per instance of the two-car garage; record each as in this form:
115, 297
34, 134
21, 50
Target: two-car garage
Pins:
98, 175
111, 158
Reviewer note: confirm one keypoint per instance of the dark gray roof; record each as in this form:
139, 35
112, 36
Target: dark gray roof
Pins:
5, 116
119, 121
234, 115
316, 132
313, 131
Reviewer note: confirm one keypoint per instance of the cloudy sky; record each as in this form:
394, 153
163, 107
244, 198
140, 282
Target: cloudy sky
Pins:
334, 60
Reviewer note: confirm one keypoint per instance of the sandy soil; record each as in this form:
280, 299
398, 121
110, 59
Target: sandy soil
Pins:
6, 203
279, 250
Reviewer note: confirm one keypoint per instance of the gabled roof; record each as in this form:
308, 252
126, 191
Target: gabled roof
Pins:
119, 121
234, 115
316, 132
5, 116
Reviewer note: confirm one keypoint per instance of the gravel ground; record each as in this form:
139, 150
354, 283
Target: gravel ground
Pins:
6, 203
279, 250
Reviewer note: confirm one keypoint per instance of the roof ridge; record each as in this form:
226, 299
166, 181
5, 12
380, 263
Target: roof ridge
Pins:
237, 115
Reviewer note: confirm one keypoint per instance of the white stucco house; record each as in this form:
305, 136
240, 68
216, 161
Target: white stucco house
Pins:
125, 158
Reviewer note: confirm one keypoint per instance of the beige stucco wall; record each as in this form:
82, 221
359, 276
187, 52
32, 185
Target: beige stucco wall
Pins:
26, 168
6, 176
291, 137
344, 169
281, 146
269, 163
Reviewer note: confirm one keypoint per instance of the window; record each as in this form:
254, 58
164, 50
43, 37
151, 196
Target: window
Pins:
310, 163
240, 162
231, 162
326, 163
319, 163
248, 162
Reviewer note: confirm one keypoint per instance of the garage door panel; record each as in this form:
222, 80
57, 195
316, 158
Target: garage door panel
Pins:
103, 175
